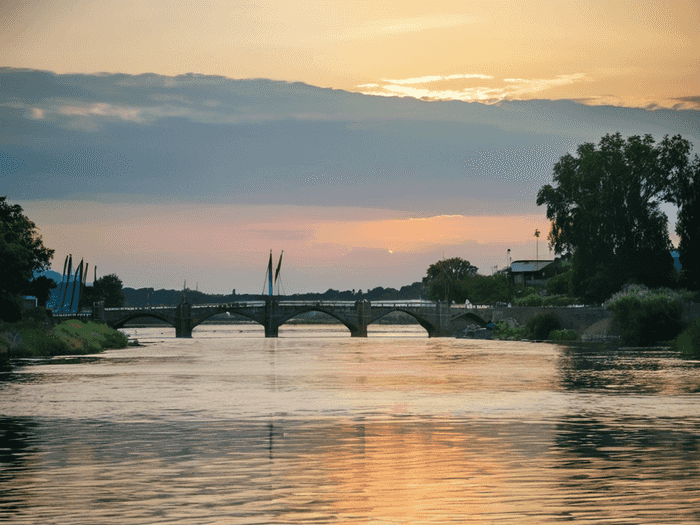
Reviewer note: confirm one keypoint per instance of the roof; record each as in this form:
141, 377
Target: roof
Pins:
529, 266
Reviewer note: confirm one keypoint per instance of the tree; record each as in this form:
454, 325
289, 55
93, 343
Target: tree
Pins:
444, 279
605, 211
486, 289
21, 253
686, 195
109, 289
88, 296
41, 289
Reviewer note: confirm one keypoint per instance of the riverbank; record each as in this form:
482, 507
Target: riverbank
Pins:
34, 338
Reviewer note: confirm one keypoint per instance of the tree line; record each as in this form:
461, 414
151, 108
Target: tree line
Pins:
607, 225
605, 210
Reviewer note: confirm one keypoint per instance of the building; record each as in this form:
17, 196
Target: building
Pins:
532, 272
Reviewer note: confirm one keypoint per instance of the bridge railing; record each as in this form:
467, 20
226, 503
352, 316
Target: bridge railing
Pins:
134, 308
416, 303
410, 303
242, 304
65, 316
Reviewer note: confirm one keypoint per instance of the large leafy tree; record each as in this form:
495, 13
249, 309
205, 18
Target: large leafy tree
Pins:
605, 211
22, 252
109, 289
41, 289
486, 289
445, 279
686, 195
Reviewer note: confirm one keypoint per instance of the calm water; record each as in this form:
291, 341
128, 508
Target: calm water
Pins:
318, 427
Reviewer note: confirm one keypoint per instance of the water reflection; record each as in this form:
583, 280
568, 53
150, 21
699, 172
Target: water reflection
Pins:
16, 454
248, 430
633, 371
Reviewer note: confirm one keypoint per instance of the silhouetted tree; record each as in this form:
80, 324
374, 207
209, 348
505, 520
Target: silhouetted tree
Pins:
686, 195
109, 289
21, 253
444, 277
605, 211
41, 289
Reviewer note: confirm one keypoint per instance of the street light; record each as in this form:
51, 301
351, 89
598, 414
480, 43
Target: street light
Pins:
509, 275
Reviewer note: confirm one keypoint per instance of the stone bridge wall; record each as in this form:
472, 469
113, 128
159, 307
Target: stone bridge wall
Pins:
571, 318
438, 320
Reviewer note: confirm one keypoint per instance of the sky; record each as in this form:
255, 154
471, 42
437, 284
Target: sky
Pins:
172, 141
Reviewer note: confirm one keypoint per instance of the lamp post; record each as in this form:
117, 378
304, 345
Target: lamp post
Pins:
509, 276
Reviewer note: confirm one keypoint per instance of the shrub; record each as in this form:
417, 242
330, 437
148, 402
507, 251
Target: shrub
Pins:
503, 331
559, 284
647, 316
534, 299
563, 335
688, 342
36, 314
10, 308
540, 326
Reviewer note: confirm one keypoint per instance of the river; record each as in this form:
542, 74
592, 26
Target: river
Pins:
318, 427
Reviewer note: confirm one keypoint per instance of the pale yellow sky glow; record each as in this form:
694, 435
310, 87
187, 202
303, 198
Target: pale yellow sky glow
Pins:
630, 53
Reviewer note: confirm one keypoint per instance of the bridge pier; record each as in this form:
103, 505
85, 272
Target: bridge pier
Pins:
183, 320
272, 317
98, 311
443, 317
364, 316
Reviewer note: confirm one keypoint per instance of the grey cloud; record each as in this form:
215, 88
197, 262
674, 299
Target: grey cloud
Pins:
211, 139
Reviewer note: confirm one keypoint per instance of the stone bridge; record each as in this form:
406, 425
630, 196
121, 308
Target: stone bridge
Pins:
439, 319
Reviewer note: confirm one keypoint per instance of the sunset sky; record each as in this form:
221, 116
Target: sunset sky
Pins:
173, 140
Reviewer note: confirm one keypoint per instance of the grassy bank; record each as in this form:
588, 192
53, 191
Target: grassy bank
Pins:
33, 338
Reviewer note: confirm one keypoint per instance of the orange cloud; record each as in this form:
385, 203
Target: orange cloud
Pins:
425, 234
224, 247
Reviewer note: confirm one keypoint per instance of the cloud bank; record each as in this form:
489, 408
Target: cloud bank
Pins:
163, 178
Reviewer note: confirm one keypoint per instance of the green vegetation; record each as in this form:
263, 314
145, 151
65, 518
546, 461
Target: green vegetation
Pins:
560, 284
21, 254
534, 298
503, 331
686, 195
563, 335
647, 316
605, 212
445, 279
108, 289
34, 338
688, 341
456, 280
540, 326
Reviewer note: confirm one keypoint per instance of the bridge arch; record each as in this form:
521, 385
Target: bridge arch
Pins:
471, 317
142, 313
243, 313
429, 327
317, 308
460, 322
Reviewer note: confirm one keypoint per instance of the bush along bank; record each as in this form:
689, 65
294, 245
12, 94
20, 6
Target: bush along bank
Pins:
688, 341
647, 316
541, 327
34, 338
